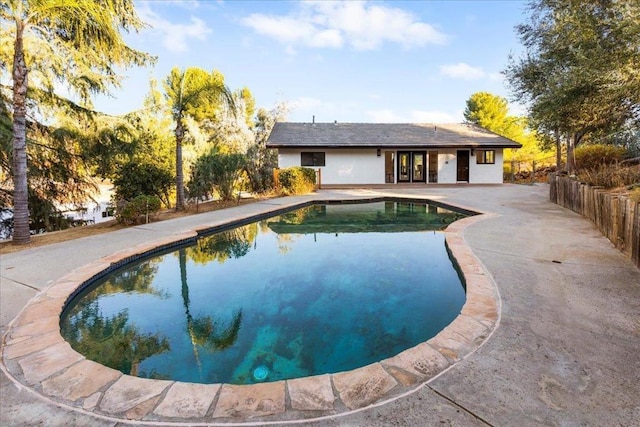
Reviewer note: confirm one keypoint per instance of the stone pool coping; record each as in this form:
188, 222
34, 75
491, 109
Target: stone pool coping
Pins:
36, 357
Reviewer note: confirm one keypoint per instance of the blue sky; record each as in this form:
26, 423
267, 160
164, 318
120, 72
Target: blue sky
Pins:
369, 61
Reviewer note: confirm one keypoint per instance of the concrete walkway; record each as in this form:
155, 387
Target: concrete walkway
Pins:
566, 351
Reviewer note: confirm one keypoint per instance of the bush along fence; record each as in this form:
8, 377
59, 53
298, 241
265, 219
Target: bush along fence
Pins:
530, 170
615, 215
296, 180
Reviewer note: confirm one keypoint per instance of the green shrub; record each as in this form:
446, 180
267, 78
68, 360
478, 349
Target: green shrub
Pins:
135, 179
136, 211
297, 180
309, 174
216, 171
261, 162
593, 156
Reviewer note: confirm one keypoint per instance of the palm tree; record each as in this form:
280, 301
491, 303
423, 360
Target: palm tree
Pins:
75, 41
193, 92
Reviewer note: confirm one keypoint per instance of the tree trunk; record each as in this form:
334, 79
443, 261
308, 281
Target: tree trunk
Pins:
20, 186
182, 261
558, 152
570, 157
179, 172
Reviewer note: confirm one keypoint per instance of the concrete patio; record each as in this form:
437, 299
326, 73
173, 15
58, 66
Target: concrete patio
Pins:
566, 350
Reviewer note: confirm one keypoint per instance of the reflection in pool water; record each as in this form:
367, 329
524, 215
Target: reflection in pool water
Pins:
322, 289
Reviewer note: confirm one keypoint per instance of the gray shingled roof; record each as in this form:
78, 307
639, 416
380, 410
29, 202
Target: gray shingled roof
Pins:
384, 135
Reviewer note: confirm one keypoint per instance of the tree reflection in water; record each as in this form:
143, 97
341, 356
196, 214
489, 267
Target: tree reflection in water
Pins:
111, 340
133, 280
204, 331
234, 243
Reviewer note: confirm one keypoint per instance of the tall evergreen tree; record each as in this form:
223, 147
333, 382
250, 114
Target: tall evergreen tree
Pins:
78, 42
581, 71
492, 113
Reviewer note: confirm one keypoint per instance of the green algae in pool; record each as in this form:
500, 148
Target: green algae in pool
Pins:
322, 289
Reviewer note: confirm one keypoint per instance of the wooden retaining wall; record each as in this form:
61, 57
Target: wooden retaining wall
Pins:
615, 215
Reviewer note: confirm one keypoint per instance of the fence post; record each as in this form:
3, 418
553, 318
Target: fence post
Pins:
553, 188
634, 216
319, 179
276, 178
513, 174
533, 173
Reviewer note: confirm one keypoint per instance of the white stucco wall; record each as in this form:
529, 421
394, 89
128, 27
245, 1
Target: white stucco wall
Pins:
486, 174
363, 166
342, 166
478, 173
447, 164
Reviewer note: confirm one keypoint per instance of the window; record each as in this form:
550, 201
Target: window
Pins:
485, 157
312, 158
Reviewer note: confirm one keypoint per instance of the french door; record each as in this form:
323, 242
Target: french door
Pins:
412, 166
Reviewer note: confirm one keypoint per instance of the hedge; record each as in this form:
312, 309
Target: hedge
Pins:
297, 180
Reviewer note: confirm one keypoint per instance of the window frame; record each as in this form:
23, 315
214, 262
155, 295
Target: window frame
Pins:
318, 158
481, 157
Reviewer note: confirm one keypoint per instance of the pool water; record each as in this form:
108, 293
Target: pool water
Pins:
323, 289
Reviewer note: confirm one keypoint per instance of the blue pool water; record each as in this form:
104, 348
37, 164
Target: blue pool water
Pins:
322, 289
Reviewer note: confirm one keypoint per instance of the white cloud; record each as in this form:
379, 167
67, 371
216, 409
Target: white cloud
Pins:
386, 116
326, 38
175, 37
359, 24
184, 4
414, 116
306, 103
432, 117
284, 29
462, 71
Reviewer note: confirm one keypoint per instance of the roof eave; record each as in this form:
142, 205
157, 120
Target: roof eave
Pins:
388, 146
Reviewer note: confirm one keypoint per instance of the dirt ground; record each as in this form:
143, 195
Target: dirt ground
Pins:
105, 227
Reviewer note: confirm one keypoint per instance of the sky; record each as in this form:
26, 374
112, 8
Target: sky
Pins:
352, 61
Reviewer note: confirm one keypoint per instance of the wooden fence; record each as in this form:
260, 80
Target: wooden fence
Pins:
615, 215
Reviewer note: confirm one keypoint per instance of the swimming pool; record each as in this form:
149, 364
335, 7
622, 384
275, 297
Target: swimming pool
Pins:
325, 288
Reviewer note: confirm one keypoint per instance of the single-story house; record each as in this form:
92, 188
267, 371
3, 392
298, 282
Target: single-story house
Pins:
379, 153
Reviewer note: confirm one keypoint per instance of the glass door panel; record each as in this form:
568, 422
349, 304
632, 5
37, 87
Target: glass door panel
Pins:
389, 163
404, 166
418, 167
433, 166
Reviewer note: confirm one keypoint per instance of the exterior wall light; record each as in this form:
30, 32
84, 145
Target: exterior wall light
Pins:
378, 152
